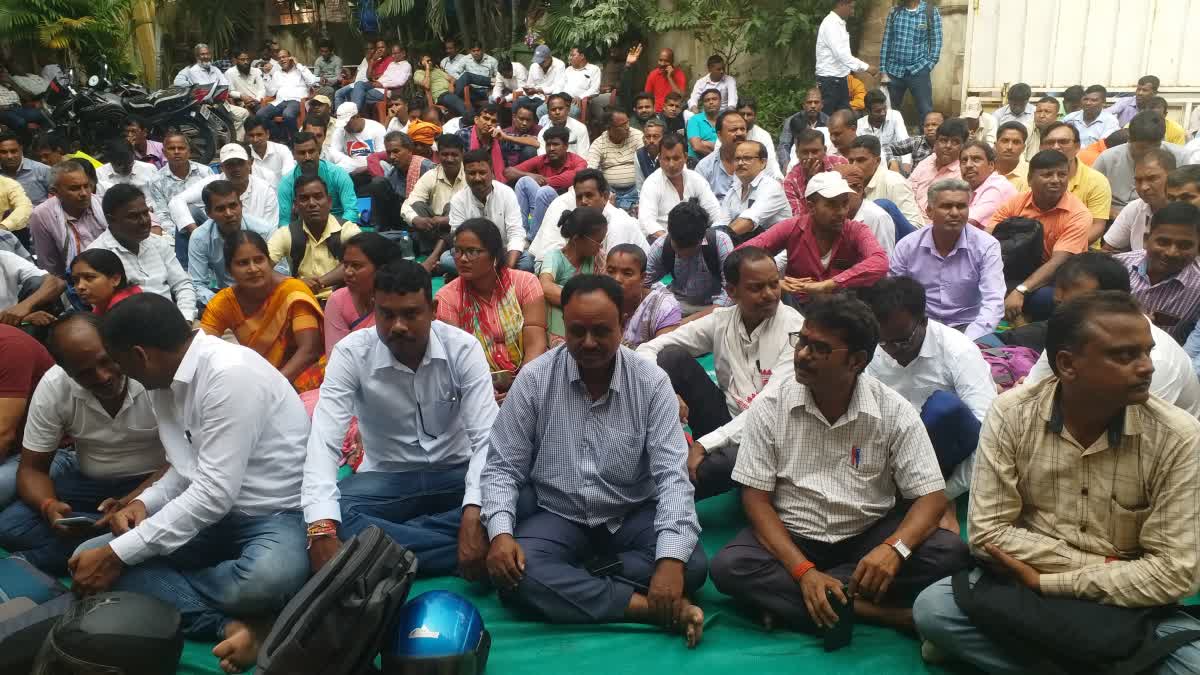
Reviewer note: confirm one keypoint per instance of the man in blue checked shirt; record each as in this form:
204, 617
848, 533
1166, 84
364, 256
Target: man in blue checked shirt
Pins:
586, 496
912, 44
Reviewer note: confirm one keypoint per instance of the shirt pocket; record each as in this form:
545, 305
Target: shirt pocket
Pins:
438, 415
620, 459
869, 463
1126, 527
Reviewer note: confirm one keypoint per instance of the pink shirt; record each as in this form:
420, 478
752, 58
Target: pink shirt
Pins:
856, 259
340, 317
927, 173
991, 193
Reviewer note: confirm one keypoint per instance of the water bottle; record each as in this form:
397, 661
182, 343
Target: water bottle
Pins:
406, 245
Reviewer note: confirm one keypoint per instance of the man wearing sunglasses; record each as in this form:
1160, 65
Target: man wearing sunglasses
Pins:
940, 372
822, 460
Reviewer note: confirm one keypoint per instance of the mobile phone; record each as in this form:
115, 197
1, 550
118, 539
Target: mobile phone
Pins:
77, 520
839, 636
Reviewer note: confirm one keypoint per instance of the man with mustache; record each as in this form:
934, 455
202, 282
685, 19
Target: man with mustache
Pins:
246, 86
1165, 276
317, 261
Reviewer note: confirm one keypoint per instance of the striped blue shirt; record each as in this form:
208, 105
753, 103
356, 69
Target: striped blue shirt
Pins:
911, 42
592, 462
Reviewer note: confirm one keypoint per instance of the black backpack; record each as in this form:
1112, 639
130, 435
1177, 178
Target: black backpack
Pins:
300, 241
1020, 248
32, 603
336, 623
708, 249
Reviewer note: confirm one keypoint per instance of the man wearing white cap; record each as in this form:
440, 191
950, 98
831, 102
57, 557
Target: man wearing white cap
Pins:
258, 197
547, 75
826, 251
981, 126
355, 136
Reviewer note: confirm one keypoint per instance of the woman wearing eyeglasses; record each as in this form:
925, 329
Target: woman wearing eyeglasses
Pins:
503, 308
584, 230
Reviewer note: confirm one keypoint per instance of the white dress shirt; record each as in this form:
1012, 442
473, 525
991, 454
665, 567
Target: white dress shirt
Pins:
290, 85
512, 84
659, 196
948, 361
260, 201
745, 361
200, 74
727, 86
501, 208
251, 85
582, 82
1174, 379
579, 143
834, 58
622, 228
433, 419
892, 131
549, 80
108, 446
764, 204
278, 158
15, 272
141, 176
155, 268
881, 224
1128, 231
234, 431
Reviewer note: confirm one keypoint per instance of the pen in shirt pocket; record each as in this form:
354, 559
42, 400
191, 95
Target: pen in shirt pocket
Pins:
763, 375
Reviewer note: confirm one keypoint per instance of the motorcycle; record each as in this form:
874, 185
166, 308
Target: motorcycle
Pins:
97, 113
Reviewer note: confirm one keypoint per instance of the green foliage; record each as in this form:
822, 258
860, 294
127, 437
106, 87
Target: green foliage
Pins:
221, 23
778, 98
592, 24
434, 11
88, 31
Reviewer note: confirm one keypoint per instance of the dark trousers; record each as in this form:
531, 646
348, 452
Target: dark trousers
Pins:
453, 103
1039, 305
919, 85
707, 412
952, 427
289, 111
749, 573
557, 584
385, 205
424, 240
835, 95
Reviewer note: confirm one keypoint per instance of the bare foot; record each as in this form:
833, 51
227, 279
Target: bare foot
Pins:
691, 619
949, 519
239, 650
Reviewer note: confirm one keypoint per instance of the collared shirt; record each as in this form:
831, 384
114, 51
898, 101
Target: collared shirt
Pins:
439, 82
200, 74
926, 174
578, 143
856, 259
1033, 145
206, 255
892, 131
58, 237
1125, 108
1007, 114
1019, 176
10, 244
328, 70
108, 446
34, 178
745, 361
15, 273
250, 85
830, 481
1173, 304
500, 207
1090, 132
505, 85
1128, 231
763, 204
1064, 225
915, 147
582, 82
455, 65
140, 176
278, 158
15, 206
397, 179
722, 182
1117, 165
561, 177
622, 228
985, 199
155, 268
318, 260
259, 201
787, 141
889, 185
549, 80
658, 196
290, 85
727, 86
337, 183
1064, 509
796, 183
691, 279
834, 58
234, 431
514, 152
435, 191
153, 154
166, 186
1092, 189
592, 462
618, 162
436, 418
699, 126
879, 221
757, 133
911, 42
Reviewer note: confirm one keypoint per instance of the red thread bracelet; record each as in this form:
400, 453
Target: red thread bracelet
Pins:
802, 568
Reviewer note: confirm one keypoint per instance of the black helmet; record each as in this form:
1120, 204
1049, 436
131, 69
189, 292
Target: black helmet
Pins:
113, 634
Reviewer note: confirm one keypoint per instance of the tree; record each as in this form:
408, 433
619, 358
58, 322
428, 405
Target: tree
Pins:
594, 25
87, 32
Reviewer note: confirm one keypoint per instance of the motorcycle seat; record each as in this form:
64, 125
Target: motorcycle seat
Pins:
157, 99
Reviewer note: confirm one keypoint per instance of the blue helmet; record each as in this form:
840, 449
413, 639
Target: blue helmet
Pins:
437, 632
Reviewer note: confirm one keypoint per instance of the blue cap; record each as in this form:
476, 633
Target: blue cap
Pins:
541, 54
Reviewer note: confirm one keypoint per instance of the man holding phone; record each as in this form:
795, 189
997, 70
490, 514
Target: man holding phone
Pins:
85, 397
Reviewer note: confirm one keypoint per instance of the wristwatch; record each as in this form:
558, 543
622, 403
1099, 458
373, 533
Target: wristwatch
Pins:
1022, 289
900, 547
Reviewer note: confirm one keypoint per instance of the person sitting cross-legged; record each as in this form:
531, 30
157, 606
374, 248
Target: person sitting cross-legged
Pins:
749, 344
486, 197
117, 453
841, 487
1084, 489
586, 497
315, 260
1165, 274
584, 230
694, 256
423, 397
541, 180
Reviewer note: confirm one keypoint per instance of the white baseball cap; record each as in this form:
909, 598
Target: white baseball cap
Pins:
972, 107
828, 184
233, 151
345, 111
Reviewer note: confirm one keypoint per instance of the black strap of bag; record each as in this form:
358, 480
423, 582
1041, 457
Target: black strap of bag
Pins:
300, 241
708, 249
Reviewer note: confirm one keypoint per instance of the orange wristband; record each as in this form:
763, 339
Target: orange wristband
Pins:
802, 568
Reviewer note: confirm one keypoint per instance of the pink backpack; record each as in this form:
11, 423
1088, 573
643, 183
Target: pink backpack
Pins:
1009, 364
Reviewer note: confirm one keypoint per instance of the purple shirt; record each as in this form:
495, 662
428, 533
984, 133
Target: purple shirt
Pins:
963, 288
57, 238
659, 310
1124, 109
154, 154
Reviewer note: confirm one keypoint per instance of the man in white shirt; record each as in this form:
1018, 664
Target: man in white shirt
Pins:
115, 433
246, 86
834, 60
940, 372
546, 76
557, 115
884, 123
884, 183
486, 197
288, 85
1150, 173
356, 136
580, 80
149, 260
17, 277
715, 79
220, 535
1018, 108
422, 392
203, 72
749, 344
259, 199
590, 189
267, 153
756, 201
509, 81
122, 168
671, 184
747, 107
368, 92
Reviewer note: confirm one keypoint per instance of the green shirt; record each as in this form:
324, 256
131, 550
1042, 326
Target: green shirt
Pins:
440, 85
557, 265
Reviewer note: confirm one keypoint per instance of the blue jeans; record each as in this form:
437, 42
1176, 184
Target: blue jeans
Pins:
952, 427
626, 198
363, 95
289, 110
1039, 305
525, 262
182, 237
239, 567
903, 227
342, 95
919, 86
64, 460
26, 534
420, 510
474, 81
454, 104
533, 199
940, 621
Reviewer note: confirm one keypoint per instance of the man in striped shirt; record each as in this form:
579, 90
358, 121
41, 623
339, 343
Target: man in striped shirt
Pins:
615, 153
1165, 275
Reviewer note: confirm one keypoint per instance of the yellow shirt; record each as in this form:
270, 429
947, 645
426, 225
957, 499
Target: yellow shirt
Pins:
1175, 133
1093, 190
318, 259
1019, 176
15, 206
83, 155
